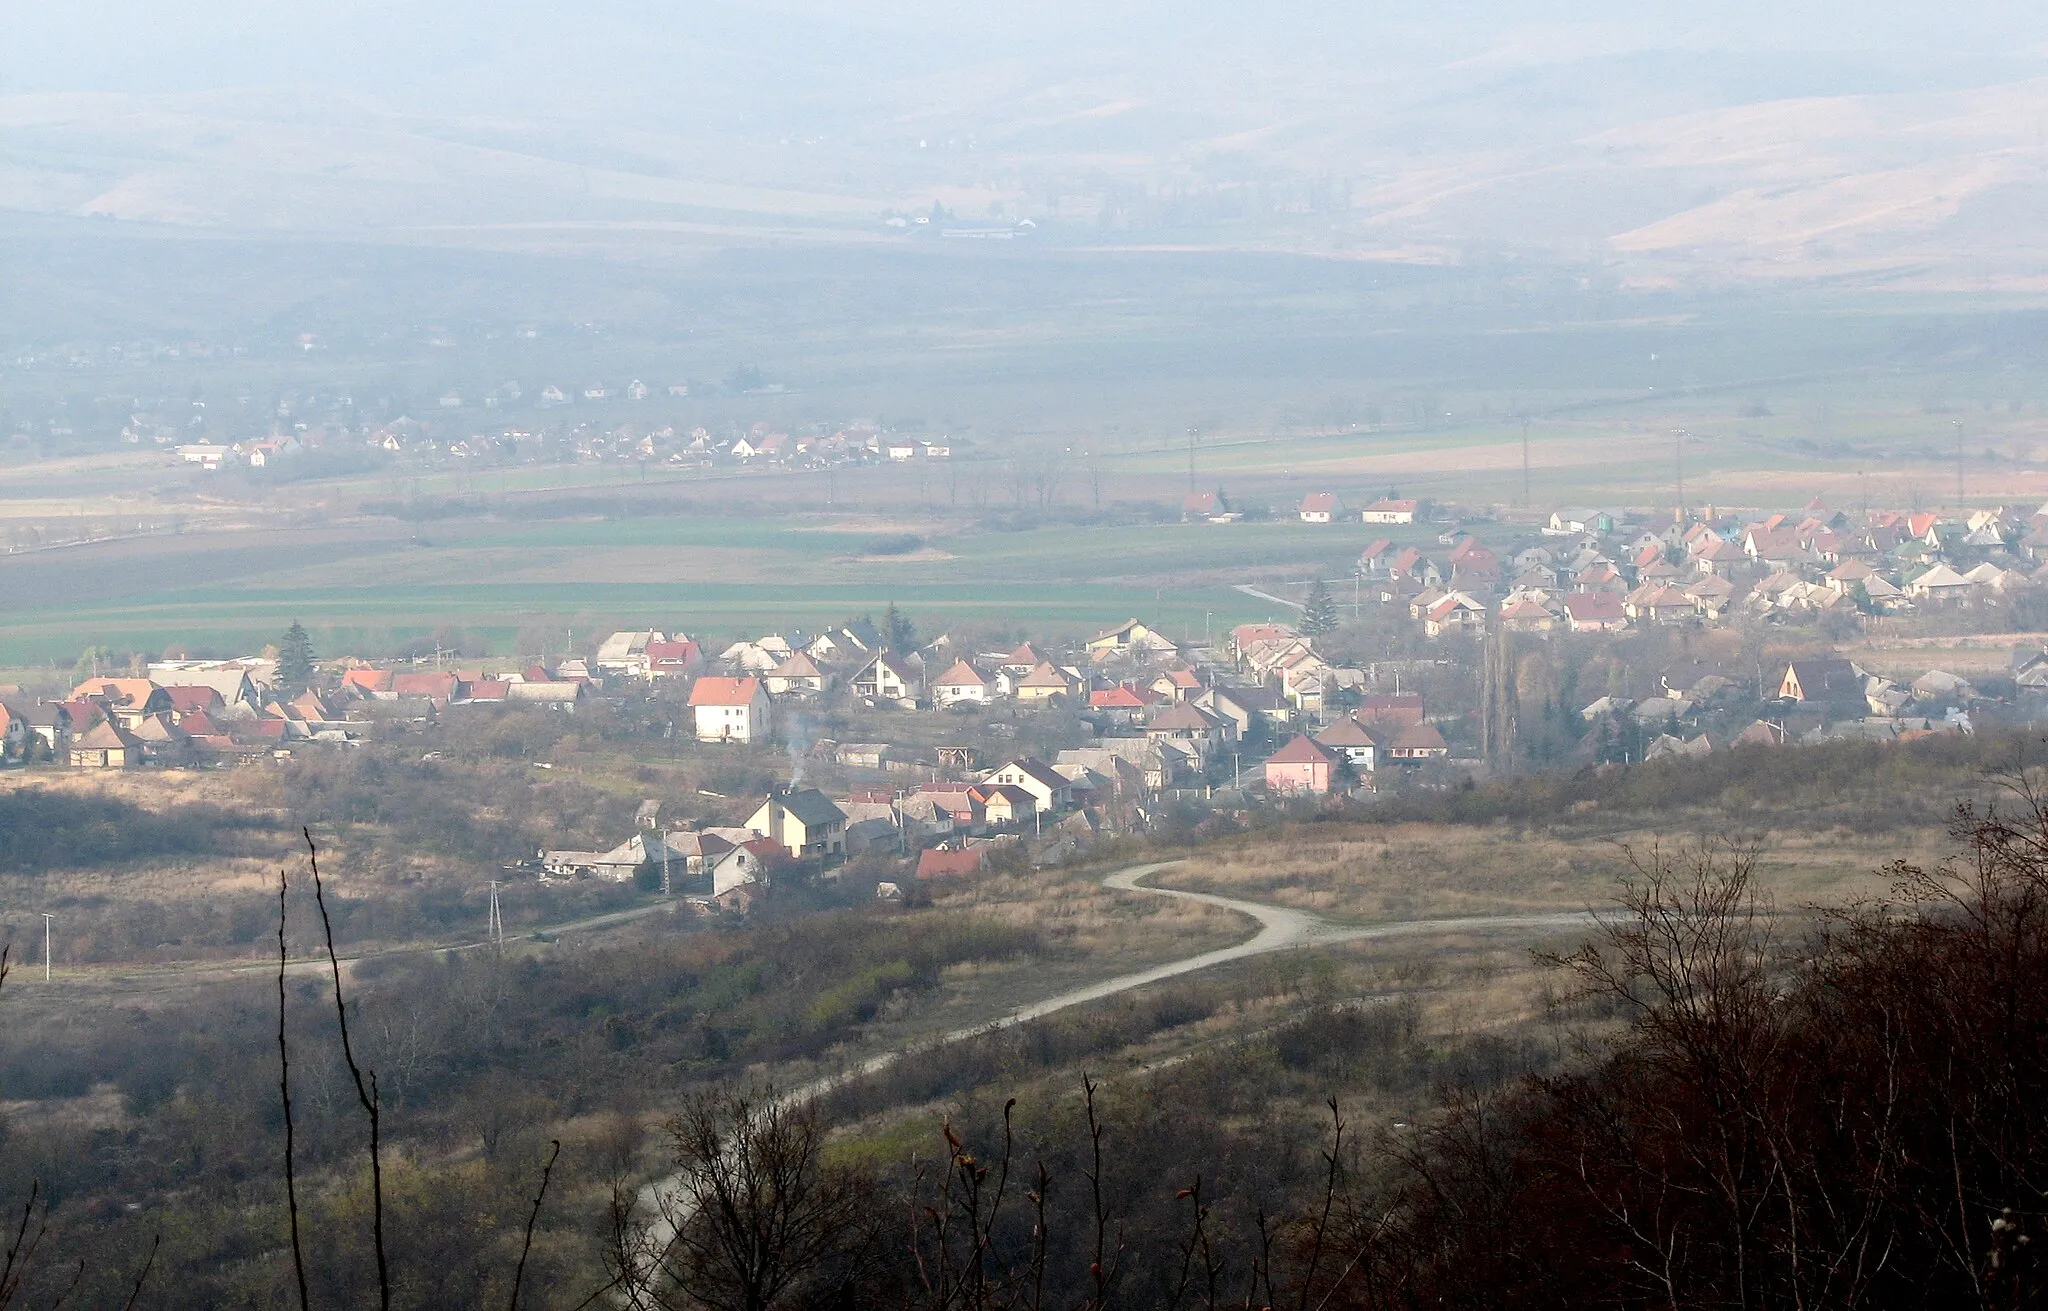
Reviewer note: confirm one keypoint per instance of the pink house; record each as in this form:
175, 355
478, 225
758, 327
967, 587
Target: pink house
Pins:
1303, 766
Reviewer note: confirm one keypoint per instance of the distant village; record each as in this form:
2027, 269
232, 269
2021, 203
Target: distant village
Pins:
922, 761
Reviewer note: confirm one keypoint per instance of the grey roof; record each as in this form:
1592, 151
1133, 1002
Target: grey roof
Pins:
813, 807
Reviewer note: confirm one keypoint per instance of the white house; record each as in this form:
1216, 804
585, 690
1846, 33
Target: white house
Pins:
1321, 507
1389, 510
731, 710
885, 678
960, 683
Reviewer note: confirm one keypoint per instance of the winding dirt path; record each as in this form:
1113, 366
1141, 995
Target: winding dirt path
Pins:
1281, 928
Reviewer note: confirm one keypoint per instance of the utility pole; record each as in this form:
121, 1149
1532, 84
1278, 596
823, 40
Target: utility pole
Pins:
1959, 465
1525, 462
1192, 433
1678, 457
497, 920
47, 918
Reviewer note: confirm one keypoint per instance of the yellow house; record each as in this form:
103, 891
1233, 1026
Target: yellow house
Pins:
1130, 635
1043, 684
106, 745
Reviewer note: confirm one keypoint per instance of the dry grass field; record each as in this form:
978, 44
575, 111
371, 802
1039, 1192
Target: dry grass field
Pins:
1427, 871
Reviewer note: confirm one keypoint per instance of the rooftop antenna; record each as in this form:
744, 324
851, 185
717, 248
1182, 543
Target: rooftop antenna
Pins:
47, 918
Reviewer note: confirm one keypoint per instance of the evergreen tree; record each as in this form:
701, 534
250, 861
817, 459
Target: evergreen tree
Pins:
295, 657
1319, 612
898, 631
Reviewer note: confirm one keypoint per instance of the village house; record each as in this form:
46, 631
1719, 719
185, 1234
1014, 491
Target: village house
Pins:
1131, 636
1353, 741
678, 657
1003, 804
798, 674
1321, 507
1185, 722
1454, 612
1304, 767
106, 745
941, 862
622, 864
1389, 510
961, 684
804, 822
1122, 705
127, 701
1043, 685
730, 709
1825, 680
1249, 709
1050, 789
1595, 612
888, 679
626, 653
1417, 743
1177, 685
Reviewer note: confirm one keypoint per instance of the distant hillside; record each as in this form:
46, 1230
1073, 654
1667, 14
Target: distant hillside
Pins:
1480, 136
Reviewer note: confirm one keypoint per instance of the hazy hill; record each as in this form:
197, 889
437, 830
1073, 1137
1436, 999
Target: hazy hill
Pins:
1744, 144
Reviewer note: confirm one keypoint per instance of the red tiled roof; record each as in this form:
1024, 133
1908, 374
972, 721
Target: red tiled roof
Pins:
724, 691
1593, 607
186, 700
943, 864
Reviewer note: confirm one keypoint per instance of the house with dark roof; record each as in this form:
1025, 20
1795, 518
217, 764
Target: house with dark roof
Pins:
1184, 721
1003, 803
1049, 789
1359, 746
889, 678
802, 821
1825, 681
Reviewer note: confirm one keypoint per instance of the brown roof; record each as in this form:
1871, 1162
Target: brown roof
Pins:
115, 691
107, 736
185, 699
1347, 732
441, 685
1045, 676
1303, 750
1185, 715
941, 864
1419, 737
798, 665
961, 674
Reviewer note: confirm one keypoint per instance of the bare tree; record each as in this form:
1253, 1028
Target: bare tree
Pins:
752, 1218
